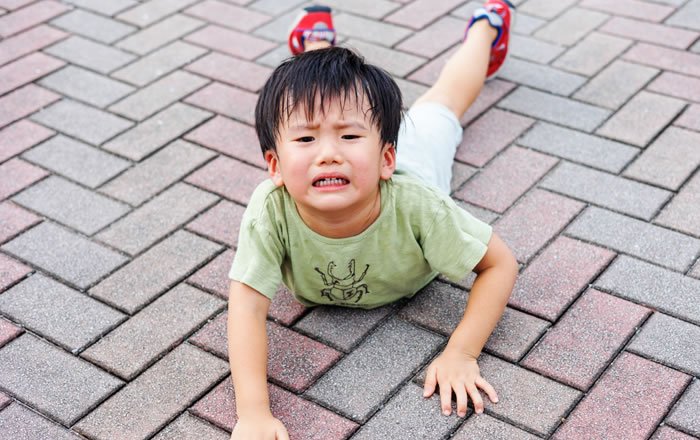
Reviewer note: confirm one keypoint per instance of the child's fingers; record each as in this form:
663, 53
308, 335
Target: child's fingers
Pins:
430, 382
461, 394
446, 398
476, 398
490, 391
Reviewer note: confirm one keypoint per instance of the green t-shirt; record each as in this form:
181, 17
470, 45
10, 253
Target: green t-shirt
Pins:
419, 233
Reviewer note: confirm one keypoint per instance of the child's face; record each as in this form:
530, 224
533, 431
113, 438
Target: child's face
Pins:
333, 163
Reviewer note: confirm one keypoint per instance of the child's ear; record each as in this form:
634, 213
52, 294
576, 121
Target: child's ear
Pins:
273, 167
388, 162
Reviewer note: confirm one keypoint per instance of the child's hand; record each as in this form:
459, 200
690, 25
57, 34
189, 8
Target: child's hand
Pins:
453, 370
259, 427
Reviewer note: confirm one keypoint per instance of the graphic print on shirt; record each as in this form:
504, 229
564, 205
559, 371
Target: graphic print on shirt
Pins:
343, 289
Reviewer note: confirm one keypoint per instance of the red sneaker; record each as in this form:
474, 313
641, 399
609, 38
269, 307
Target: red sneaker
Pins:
314, 23
498, 13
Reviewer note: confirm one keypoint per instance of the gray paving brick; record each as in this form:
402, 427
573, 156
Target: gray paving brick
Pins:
152, 11
159, 94
408, 415
278, 29
541, 77
154, 271
554, 109
106, 7
188, 427
158, 130
144, 406
93, 26
81, 121
368, 8
644, 240
571, 26
607, 190
86, 53
156, 218
274, 57
129, 349
159, 63
683, 213
648, 284
592, 53
71, 204
545, 8
487, 427
395, 62
615, 84
86, 86
645, 115
19, 423
51, 380
157, 172
160, 34
681, 343
57, 312
276, 7
533, 49
687, 16
379, 32
383, 361
77, 161
65, 254
579, 147
410, 91
685, 414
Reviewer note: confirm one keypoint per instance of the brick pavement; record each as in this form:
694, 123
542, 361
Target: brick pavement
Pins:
127, 156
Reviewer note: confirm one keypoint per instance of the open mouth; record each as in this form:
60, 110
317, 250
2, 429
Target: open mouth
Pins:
335, 181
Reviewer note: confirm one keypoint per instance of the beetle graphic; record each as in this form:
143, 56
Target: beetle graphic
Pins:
343, 289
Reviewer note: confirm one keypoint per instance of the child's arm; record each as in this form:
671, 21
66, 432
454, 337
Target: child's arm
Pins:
456, 368
247, 348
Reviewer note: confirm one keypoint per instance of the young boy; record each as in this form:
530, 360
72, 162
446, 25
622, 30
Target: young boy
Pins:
357, 209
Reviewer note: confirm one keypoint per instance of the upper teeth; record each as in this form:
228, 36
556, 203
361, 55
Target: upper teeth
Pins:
334, 181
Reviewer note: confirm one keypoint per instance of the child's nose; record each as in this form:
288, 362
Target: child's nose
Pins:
329, 152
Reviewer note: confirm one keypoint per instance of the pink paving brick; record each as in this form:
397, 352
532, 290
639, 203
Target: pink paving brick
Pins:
650, 32
429, 73
491, 93
680, 86
16, 174
630, 8
214, 276
212, 337
231, 138
8, 332
4, 398
587, 337
22, 102
11, 271
20, 136
490, 134
506, 178
627, 403
304, 420
284, 307
14, 220
435, 38
553, 280
30, 16
218, 38
239, 73
29, 41
229, 178
230, 101
690, 118
227, 15
665, 58
14, 4
221, 222
668, 433
26, 70
421, 12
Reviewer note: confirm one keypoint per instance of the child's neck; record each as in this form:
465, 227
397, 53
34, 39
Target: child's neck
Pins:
342, 224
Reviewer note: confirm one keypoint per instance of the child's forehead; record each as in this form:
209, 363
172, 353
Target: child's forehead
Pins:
348, 107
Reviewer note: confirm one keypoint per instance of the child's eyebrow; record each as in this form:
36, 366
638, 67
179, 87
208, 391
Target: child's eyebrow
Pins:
337, 125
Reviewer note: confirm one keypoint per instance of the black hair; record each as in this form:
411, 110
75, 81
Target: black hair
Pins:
329, 74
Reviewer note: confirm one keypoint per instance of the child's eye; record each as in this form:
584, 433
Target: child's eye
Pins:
305, 139
350, 136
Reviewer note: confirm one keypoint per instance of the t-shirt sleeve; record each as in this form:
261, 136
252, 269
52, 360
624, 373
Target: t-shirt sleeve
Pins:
455, 242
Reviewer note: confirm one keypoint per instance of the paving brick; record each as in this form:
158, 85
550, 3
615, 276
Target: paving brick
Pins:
541, 77
150, 401
690, 118
89, 54
227, 15
682, 213
435, 38
601, 324
5, 400
615, 84
647, 284
14, 4
630, 8
485, 426
606, 190
419, 13
51, 380
8, 332
579, 147
686, 16
545, 8
369, 8
29, 41
26, 70
157, 172
156, 218
71, 204
160, 34
105, 7
556, 277
490, 134
86, 86
555, 109
506, 178
30, 16
57, 312
160, 129
665, 58
154, 271
231, 138
273, 7
20, 136
684, 414
440, 307
284, 307
373, 31
527, 24
410, 91
695, 272
16, 175
240, 73
668, 433
221, 223
532, 49
93, 26
624, 234
188, 427
571, 26
679, 86
628, 402
212, 337
152, 11
225, 100
81, 121
460, 174
14, 220
159, 63
247, 46
592, 53
430, 71
278, 29
303, 419
395, 62
650, 32
491, 93
25, 101
217, 177
11, 271
214, 276
18, 422
382, 362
